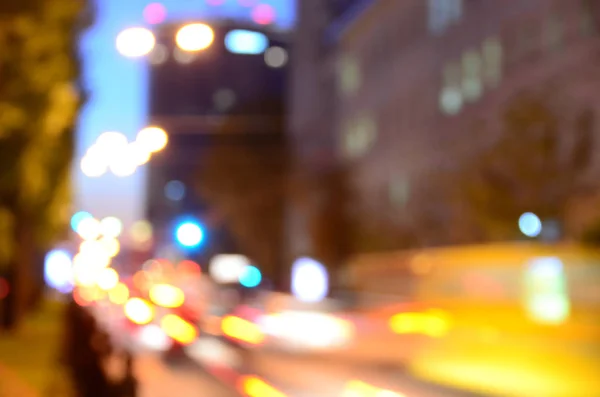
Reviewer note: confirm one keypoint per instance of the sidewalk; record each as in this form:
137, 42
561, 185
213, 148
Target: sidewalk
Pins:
11, 385
29, 358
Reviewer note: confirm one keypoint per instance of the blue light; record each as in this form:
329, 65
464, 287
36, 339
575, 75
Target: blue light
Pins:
189, 234
246, 42
251, 277
58, 271
530, 224
77, 218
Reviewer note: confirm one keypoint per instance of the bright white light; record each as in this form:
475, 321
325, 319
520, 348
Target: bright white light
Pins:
123, 165
58, 271
246, 42
153, 139
135, 42
189, 234
310, 281
530, 224
77, 218
93, 166
194, 37
107, 279
228, 268
139, 152
89, 229
109, 141
111, 226
276, 57
153, 337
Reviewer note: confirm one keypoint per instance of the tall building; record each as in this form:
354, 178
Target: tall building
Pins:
229, 95
408, 86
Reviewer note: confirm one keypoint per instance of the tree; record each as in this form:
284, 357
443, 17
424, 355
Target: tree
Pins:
39, 102
243, 178
535, 165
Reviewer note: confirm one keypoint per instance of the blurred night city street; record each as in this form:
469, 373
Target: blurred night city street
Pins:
299, 198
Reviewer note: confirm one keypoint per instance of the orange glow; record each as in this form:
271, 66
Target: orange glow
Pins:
119, 294
166, 295
433, 323
194, 37
243, 330
189, 267
356, 388
139, 311
255, 387
141, 280
179, 329
80, 298
152, 139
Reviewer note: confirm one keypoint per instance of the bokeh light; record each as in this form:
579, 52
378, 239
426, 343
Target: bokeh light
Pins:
77, 218
119, 294
276, 57
530, 224
58, 271
250, 277
189, 234
108, 279
139, 153
166, 295
228, 268
109, 141
139, 311
93, 166
310, 282
141, 232
179, 329
175, 190
123, 165
110, 246
111, 227
135, 42
153, 139
155, 13
194, 37
89, 229
263, 14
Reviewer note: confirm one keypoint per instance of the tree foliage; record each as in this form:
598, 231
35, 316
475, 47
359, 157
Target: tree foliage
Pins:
535, 165
39, 103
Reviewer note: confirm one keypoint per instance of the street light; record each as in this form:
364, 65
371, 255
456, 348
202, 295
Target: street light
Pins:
135, 42
194, 37
189, 234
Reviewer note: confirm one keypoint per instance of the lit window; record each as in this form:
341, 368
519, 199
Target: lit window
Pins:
443, 14
360, 136
451, 97
246, 42
492, 61
553, 33
349, 75
159, 55
472, 86
276, 57
224, 99
183, 56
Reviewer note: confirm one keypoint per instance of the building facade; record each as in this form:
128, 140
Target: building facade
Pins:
227, 98
417, 88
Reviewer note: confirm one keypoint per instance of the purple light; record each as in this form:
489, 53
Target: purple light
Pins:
215, 2
263, 14
155, 13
